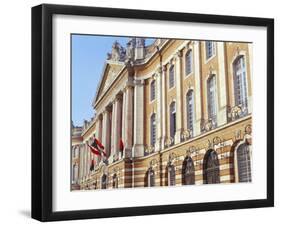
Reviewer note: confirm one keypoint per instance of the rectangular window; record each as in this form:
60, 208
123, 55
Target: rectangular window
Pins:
210, 49
152, 91
190, 111
172, 120
152, 130
211, 91
171, 77
188, 62
240, 87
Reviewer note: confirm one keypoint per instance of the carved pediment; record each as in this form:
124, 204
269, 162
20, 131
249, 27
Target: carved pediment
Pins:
109, 74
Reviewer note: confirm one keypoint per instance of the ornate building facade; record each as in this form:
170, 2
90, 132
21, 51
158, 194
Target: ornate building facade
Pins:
183, 109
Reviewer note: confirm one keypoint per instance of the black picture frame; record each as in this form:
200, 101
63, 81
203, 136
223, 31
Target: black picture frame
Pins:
42, 111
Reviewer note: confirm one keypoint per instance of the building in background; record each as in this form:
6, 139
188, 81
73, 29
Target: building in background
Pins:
176, 112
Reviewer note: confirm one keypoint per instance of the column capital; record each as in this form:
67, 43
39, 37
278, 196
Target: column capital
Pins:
118, 97
179, 54
159, 70
129, 83
139, 82
164, 68
107, 109
99, 116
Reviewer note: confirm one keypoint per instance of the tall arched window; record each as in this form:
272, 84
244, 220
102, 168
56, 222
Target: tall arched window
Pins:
115, 181
211, 97
244, 163
171, 175
150, 177
172, 119
152, 90
211, 168
240, 84
103, 181
210, 49
190, 111
152, 129
171, 76
188, 62
188, 171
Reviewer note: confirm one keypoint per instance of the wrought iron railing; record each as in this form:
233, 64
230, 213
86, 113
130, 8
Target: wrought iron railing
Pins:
186, 135
208, 124
236, 112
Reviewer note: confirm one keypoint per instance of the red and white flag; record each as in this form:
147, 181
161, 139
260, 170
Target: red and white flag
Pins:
97, 148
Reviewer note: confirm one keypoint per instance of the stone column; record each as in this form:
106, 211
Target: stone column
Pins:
197, 88
88, 158
124, 116
179, 111
99, 135
81, 163
106, 131
113, 126
138, 148
85, 160
164, 105
118, 125
222, 106
159, 109
128, 120
250, 50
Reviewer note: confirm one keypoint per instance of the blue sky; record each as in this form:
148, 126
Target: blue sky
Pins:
89, 53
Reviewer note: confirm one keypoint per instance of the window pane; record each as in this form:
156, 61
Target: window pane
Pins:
209, 45
189, 172
240, 86
211, 168
152, 90
172, 175
244, 163
152, 129
211, 90
172, 119
171, 77
188, 62
190, 110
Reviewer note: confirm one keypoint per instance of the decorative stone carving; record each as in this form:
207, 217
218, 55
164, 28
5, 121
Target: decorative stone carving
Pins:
118, 52
186, 134
140, 42
149, 149
236, 112
207, 125
248, 129
169, 141
153, 164
130, 48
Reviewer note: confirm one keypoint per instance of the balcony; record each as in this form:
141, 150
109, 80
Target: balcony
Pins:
148, 150
236, 112
209, 124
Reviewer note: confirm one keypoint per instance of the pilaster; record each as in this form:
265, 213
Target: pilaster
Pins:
138, 148
198, 90
179, 114
164, 105
222, 108
128, 116
159, 109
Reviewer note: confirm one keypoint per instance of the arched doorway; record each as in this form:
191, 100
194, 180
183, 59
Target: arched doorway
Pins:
243, 163
188, 172
211, 168
115, 181
103, 181
150, 178
171, 175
